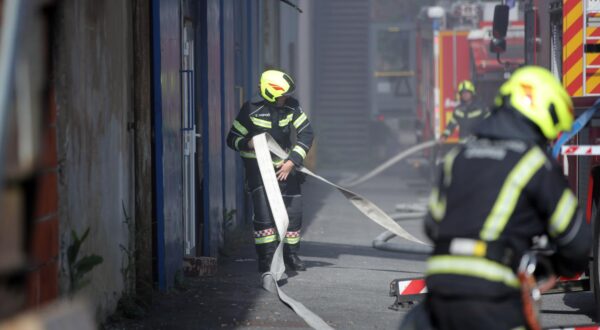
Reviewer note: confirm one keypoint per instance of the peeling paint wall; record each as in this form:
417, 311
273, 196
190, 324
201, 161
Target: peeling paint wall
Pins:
93, 74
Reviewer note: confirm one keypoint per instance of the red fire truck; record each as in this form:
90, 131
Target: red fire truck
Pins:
453, 45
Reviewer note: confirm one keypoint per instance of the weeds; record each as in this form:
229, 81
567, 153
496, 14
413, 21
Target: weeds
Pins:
78, 268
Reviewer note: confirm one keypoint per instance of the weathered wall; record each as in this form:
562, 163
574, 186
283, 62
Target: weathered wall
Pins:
142, 81
93, 71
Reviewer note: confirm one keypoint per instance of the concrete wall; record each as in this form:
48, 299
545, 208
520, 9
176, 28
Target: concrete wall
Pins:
93, 74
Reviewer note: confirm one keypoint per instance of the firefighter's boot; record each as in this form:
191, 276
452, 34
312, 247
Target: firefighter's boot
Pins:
265, 256
291, 259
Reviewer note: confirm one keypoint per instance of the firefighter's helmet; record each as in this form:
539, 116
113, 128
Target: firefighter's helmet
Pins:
534, 92
466, 86
274, 83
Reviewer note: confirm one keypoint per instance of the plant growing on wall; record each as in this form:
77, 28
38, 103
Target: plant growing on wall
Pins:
228, 218
79, 267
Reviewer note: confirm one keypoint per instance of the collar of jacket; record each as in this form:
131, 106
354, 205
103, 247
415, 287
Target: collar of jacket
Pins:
257, 100
474, 105
507, 123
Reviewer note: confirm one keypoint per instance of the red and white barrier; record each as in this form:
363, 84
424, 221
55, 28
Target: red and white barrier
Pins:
583, 150
577, 150
412, 287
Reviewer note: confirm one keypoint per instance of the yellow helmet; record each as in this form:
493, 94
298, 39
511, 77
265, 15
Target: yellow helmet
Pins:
274, 83
535, 93
466, 85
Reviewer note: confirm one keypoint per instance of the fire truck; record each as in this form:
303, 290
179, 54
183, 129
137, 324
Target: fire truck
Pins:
563, 36
452, 45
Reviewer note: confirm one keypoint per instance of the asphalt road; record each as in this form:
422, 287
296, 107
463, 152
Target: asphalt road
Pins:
347, 281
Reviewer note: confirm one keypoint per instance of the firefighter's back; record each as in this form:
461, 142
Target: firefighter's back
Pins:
486, 187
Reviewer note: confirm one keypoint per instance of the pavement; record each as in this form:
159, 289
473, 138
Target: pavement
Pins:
346, 283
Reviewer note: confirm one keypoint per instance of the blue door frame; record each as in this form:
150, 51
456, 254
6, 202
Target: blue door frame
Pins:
157, 147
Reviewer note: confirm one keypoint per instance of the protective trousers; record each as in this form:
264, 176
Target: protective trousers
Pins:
265, 231
450, 313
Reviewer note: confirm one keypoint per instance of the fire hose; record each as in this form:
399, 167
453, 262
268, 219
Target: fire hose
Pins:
264, 145
404, 154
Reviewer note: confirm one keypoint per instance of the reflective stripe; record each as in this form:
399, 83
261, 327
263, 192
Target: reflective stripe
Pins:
459, 113
240, 127
237, 141
567, 205
286, 120
248, 154
300, 120
437, 207
437, 203
265, 239
300, 151
474, 114
510, 193
265, 232
291, 240
472, 266
251, 154
448, 162
260, 122
468, 247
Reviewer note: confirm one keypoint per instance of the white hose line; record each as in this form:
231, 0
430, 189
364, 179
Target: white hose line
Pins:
263, 145
270, 278
365, 206
381, 243
404, 154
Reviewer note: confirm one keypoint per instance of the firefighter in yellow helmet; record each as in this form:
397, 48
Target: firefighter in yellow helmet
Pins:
494, 194
467, 114
280, 115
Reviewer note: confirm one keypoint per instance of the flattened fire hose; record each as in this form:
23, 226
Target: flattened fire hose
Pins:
270, 278
264, 145
392, 161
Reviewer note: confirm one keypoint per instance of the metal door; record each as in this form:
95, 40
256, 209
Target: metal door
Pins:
188, 123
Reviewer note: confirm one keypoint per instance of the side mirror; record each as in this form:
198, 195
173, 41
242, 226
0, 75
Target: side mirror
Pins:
500, 25
499, 29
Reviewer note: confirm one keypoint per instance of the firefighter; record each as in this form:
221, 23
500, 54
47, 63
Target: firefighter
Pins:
467, 114
495, 194
280, 115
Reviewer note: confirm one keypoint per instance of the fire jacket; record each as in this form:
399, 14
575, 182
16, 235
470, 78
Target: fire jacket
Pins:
494, 195
288, 125
466, 117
